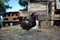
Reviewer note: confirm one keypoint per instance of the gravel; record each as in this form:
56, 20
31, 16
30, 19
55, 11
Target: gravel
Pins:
17, 34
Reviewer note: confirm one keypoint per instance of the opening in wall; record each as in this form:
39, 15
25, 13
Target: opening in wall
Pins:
57, 12
57, 7
56, 22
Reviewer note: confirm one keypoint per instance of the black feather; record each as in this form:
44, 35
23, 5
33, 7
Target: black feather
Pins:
27, 26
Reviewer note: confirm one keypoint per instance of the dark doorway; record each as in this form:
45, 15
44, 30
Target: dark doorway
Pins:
56, 22
57, 12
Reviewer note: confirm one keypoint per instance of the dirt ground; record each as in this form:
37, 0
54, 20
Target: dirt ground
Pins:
16, 33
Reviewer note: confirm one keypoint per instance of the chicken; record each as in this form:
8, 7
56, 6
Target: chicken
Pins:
27, 24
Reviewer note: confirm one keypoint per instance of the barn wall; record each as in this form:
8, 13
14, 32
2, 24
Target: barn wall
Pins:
45, 24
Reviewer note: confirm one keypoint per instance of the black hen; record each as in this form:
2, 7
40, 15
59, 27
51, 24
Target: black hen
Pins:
27, 26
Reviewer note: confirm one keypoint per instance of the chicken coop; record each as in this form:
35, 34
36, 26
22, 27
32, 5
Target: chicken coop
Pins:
54, 12
10, 18
40, 7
